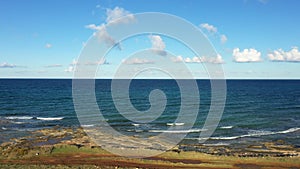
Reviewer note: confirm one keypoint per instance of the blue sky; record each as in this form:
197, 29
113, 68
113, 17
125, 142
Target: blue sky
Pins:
41, 39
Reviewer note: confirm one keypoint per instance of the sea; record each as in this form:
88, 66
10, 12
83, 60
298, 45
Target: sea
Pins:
255, 110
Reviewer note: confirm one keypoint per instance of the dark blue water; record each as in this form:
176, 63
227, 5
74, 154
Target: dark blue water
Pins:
255, 111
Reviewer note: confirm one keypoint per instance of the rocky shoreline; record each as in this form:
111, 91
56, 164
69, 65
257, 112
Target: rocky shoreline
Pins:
48, 138
43, 143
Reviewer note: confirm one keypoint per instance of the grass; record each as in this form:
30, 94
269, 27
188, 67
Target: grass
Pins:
69, 156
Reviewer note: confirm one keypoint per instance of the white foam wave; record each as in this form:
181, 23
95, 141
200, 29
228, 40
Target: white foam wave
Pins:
88, 125
250, 134
175, 124
19, 118
257, 133
49, 118
291, 130
136, 125
18, 122
217, 144
226, 127
225, 138
177, 131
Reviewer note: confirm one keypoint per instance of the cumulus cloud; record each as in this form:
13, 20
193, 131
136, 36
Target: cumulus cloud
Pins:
113, 16
178, 59
247, 55
119, 15
158, 45
209, 28
54, 65
214, 60
48, 45
70, 69
203, 59
7, 65
285, 56
94, 27
103, 35
214, 31
137, 61
72, 65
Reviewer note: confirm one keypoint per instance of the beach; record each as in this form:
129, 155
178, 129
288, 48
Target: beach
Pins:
41, 129
153, 85
71, 148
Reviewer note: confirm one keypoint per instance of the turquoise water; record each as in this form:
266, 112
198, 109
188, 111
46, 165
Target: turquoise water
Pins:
255, 110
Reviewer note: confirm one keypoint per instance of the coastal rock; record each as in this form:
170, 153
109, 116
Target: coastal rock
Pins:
44, 141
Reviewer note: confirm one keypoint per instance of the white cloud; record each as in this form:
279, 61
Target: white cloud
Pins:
70, 69
223, 39
48, 45
94, 27
203, 59
247, 55
209, 28
102, 61
119, 15
74, 62
137, 61
72, 65
113, 16
281, 56
178, 59
215, 60
103, 35
54, 65
214, 31
158, 45
7, 65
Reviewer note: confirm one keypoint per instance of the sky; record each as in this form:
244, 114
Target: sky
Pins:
254, 39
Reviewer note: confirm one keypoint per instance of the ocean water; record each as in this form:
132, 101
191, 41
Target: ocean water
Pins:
255, 110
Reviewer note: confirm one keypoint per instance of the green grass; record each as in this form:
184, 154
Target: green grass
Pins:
90, 155
63, 149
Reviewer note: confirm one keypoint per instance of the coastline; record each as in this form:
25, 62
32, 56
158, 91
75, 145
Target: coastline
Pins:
71, 147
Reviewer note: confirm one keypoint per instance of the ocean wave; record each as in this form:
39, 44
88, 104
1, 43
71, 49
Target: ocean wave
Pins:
291, 130
175, 124
135, 124
17, 122
217, 144
88, 125
49, 118
250, 134
139, 131
225, 138
226, 127
177, 131
19, 118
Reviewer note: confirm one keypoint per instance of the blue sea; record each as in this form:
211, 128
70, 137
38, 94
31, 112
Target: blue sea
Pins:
255, 110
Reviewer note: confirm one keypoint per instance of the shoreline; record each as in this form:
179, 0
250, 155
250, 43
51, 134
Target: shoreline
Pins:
72, 147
